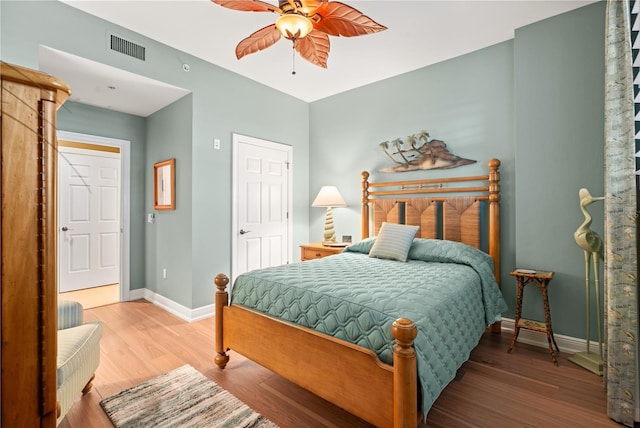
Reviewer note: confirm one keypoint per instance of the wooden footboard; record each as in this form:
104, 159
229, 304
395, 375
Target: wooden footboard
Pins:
350, 376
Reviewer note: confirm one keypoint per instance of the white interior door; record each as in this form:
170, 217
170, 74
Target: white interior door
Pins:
261, 220
89, 183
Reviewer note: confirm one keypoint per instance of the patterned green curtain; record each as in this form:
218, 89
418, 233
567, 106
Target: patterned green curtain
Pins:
621, 255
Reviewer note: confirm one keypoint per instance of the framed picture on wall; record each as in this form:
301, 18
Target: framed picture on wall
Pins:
164, 185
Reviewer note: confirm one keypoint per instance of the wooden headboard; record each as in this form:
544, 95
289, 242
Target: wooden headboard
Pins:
464, 209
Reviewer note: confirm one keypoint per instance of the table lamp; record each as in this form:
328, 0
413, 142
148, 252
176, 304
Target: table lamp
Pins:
329, 197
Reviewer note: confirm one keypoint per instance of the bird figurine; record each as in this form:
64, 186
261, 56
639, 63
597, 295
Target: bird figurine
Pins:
591, 244
586, 238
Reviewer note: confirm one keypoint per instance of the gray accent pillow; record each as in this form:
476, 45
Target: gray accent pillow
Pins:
393, 241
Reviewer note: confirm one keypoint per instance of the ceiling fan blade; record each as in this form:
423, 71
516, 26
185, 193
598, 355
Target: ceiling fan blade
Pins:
339, 19
314, 48
248, 5
261, 39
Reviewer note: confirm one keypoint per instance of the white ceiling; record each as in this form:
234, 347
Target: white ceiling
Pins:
108, 87
419, 33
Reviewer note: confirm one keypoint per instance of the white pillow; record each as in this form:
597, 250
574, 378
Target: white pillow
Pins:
393, 241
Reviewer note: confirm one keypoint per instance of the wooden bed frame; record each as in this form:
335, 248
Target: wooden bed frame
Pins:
350, 376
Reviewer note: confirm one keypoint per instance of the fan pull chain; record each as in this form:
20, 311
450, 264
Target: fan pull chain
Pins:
293, 58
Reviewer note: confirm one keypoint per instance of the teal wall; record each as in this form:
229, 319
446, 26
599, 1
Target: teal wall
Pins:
84, 119
169, 238
559, 146
467, 102
221, 103
534, 102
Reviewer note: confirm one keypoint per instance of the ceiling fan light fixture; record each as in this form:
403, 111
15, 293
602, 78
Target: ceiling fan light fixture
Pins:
308, 23
294, 25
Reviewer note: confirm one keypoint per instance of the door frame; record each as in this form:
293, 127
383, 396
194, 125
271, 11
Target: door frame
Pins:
125, 191
236, 141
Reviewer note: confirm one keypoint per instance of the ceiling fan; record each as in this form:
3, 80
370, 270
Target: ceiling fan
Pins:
308, 23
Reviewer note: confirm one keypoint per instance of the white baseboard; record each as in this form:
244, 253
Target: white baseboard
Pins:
187, 314
136, 294
567, 344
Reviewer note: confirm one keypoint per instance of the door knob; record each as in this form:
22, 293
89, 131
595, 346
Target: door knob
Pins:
65, 228
242, 231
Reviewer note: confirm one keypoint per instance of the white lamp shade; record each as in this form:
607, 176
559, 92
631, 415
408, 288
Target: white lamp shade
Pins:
328, 196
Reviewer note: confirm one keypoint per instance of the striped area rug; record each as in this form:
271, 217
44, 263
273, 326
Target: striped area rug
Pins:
180, 398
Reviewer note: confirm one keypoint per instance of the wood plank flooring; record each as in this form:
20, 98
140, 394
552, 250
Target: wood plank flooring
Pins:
94, 297
492, 389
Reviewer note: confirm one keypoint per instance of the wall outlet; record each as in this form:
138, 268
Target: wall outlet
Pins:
151, 218
216, 143
164, 274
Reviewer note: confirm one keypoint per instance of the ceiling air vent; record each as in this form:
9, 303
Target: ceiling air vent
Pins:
126, 47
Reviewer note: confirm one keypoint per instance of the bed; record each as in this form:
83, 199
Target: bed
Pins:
367, 330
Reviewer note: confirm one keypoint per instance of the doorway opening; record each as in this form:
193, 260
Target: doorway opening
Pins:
93, 219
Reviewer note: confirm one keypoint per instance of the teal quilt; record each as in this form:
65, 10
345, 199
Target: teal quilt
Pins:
446, 288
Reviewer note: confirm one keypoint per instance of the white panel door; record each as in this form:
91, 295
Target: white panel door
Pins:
261, 225
89, 218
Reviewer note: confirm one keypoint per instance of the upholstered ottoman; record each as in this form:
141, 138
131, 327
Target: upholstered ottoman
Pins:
78, 354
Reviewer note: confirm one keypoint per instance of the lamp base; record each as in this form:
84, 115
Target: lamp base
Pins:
329, 231
589, 361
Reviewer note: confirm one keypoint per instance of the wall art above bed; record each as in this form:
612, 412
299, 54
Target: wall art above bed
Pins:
418, 153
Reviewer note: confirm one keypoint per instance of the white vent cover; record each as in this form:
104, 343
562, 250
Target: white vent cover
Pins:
126, 47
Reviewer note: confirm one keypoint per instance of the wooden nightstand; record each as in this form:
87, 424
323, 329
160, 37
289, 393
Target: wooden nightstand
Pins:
316, 250
541, 280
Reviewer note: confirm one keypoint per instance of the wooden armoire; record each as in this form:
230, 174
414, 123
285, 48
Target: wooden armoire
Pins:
28, 284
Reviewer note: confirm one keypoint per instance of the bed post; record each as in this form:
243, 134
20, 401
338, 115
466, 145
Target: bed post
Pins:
221, 301
364, 223
494, 216
494, 225
405, 377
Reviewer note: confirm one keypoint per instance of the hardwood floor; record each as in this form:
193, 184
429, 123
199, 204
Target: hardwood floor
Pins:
492, 389
94, 297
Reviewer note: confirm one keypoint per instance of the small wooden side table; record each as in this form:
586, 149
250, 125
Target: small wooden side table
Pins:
316, 250
541, 280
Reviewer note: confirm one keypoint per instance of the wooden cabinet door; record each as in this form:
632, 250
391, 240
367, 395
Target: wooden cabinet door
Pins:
28, 247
